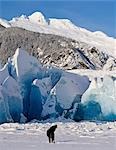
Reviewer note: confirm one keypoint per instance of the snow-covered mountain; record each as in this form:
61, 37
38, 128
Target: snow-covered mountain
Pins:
30, 91
63, 27
4, 23
62, 44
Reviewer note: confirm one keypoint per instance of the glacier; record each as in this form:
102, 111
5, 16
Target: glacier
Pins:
29, 90
99, 100
12, 95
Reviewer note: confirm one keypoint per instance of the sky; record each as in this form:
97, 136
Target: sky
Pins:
94, 15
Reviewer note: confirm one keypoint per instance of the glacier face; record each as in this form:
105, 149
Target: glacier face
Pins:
4, 111
30, 91
99, 100
12, 95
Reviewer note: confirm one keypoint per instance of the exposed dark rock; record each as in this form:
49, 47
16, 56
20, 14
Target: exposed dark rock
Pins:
51, 49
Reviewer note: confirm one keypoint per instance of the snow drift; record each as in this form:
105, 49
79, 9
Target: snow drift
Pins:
30, 91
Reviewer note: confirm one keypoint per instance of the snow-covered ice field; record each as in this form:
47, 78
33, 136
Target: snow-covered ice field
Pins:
69, 136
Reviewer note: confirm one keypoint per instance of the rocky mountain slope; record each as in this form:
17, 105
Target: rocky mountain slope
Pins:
52, 49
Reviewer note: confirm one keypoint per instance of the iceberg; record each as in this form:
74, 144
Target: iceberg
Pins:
30, 91
64, 95
12, 95
25, 68
70, 88
49, 108
44, 85
4, 109
99, 101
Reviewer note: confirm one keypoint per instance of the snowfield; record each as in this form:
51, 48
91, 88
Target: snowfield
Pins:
69, 135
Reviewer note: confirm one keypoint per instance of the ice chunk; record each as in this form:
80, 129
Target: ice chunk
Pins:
65, 93
69, 88
44, 85
12, 95
99, 100
55, 75
24, 64
49, 110
23, 119
25, 68
4, 109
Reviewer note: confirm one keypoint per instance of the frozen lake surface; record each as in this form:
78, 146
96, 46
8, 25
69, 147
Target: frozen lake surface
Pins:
76, 136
